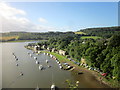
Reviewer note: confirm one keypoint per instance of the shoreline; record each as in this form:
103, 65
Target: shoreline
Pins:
94, 75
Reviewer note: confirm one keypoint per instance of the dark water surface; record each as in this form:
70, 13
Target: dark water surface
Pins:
32, 76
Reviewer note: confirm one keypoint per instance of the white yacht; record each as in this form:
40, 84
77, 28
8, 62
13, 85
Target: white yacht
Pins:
53, 87
58, 62
40, 67
35, 58
46, 61
61, 67
17, 64
30, 55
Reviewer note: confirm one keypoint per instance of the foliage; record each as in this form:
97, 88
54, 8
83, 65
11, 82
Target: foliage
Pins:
103, 54
36, 36
105, 32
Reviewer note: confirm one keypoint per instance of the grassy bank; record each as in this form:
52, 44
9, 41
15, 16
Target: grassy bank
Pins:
58, 56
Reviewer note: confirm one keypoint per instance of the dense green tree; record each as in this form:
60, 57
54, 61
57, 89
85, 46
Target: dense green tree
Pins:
114, 41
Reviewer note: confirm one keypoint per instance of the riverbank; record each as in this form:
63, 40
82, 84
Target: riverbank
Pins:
93, 75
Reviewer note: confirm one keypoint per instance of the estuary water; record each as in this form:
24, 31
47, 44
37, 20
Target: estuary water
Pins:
32, 76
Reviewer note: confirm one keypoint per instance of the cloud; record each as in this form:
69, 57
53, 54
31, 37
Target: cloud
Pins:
42, 20
10, 19
11, 22
13, 19
7, 11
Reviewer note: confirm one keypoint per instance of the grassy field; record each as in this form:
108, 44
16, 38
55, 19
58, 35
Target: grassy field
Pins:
8, 38
80, 33
93, 37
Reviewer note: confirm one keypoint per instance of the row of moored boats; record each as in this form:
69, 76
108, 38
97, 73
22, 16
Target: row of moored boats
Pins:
16, 58
57, 61
37, 62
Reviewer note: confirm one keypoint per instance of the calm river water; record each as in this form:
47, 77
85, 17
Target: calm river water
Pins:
32, 76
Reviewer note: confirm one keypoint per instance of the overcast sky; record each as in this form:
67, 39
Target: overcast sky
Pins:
59, 16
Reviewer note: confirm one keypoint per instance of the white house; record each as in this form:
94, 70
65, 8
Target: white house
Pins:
61, 52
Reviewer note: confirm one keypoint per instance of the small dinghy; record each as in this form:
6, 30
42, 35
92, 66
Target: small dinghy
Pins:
16, 59
15, 56
35, 58
48, 66
21, 74
37, 62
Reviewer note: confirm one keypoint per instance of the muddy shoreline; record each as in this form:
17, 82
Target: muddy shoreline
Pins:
93, 77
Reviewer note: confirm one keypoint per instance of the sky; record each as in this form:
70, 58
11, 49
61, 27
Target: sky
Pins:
57, 16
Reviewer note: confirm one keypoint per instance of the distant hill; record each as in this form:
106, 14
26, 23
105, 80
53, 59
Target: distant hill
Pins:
105, 32
11, 36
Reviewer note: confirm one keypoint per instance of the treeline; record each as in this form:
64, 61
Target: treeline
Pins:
101, 32
36, 36
105, 32
103, 54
